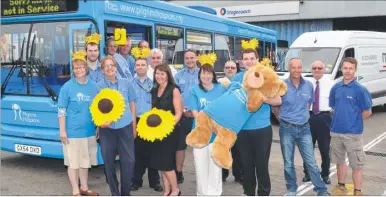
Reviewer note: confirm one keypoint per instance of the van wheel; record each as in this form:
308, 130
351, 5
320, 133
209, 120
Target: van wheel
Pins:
384, 107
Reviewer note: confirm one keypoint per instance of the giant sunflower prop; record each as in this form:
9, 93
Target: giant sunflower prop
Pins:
155, 124
107, 106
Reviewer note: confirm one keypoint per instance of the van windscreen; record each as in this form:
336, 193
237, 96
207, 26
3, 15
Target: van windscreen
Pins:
328, 56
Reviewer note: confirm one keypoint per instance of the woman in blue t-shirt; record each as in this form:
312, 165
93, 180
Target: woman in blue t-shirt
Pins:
208, 174
77, 131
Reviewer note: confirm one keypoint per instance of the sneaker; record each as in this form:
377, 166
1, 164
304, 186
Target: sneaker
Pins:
326, 180
135, 187
325, 193
339, 190
306, 178
358, 193
180, 177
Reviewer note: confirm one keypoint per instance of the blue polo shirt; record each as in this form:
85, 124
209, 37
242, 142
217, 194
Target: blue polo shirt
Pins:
123, 70
262, 117
125, 87
230, 109
294, 108
142, 90
97, 74
199, 99
185, 81
348, 102
130, 62
76, 98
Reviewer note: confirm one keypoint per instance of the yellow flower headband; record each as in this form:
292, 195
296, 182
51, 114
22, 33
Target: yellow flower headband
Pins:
252, 44
267, 62
94, 38
79, 55
209, 58
140, 53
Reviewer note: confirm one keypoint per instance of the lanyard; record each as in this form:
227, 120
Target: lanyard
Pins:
145, 86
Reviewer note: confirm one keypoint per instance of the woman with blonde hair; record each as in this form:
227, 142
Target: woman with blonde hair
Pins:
77, 131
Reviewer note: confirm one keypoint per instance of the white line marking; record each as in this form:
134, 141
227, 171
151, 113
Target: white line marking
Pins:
308, 186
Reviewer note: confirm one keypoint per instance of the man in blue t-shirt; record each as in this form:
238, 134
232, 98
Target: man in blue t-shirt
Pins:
351, 104
255, 138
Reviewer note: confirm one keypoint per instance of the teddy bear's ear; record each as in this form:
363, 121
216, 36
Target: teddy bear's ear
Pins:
283, 88
255, 79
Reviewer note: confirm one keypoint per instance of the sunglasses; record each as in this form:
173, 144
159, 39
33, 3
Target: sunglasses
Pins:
232, 68
317, 68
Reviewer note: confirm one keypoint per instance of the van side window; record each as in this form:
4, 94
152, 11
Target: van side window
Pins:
348, 53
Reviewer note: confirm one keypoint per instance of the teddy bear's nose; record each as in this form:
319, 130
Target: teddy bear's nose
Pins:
257, 74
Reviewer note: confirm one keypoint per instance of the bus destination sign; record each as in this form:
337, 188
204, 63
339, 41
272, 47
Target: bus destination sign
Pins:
35, 7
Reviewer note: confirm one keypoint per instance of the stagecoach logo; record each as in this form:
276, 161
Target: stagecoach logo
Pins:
24, 116
223, 11
82, 97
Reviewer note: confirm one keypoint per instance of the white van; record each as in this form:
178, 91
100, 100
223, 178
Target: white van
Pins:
368, 48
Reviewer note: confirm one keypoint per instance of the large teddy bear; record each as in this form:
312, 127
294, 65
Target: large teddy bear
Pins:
226, 115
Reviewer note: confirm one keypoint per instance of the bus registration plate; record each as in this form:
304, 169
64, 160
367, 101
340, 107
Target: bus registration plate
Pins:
34, 150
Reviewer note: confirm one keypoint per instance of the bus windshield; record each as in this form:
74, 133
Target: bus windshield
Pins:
328, 56
35, 57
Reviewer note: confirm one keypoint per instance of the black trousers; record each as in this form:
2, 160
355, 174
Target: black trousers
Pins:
142, 161
255, 149
320, 130
120, 142
237, 170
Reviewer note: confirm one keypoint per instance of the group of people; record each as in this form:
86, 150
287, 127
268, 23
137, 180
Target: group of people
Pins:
148, 82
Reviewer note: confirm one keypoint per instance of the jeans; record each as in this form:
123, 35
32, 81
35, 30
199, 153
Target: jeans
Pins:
291, 135
120, 142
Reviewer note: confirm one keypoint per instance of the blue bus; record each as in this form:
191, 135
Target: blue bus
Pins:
37, 37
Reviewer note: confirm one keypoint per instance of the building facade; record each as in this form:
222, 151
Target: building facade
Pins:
290, 19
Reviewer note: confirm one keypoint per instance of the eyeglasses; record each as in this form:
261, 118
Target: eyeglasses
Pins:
317, 68
108, 65
232, 68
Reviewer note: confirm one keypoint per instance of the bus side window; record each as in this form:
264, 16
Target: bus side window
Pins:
238, 48
134, 31
170, 41
260, 50
199, 41
224, 51
350, 52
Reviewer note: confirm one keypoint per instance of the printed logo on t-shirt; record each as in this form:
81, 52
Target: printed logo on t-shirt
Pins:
82, 97
204, 102
240, 95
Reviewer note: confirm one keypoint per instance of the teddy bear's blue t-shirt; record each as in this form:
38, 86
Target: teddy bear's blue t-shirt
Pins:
199, 99
262, 117
230, 109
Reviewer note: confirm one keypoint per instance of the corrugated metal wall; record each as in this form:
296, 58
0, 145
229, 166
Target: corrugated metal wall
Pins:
290, 30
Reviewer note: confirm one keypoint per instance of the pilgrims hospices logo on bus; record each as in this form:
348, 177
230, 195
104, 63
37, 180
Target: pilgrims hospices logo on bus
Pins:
24, 116
228, 12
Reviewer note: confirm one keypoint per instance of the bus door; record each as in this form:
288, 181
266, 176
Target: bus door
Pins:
77, 37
